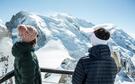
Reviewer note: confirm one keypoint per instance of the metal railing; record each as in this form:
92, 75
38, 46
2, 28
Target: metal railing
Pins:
11, 74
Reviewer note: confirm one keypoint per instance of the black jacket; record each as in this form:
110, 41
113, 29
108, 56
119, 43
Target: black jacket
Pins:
97, 68
25, 64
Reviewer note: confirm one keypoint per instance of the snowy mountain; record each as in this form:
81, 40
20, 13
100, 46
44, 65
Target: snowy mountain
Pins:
59, 27
6, 58
63, 39
124, 40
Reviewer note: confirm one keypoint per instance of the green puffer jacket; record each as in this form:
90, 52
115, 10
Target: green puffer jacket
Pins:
26, 65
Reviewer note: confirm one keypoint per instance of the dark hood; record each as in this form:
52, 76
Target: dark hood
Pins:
99, 52
20, 48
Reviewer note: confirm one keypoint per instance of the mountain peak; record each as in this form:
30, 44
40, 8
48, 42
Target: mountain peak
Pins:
22, 13
57, 14
15, 19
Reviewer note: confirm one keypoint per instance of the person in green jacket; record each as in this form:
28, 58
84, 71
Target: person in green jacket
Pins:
26, 65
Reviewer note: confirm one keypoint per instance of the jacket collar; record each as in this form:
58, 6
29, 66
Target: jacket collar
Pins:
99, 51
20, 48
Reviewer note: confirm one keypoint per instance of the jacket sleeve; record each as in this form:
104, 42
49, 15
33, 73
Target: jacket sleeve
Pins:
27, 69
79, 75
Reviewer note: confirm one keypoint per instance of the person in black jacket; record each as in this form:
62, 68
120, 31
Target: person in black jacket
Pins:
26, 65
98, 67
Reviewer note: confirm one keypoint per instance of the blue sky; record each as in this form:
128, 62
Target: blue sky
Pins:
118, 12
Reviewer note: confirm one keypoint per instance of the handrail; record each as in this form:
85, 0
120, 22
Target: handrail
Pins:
7, 76
56, 71
11, 74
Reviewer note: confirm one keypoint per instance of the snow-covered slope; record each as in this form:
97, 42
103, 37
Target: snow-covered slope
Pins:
63, 27
6, 58
3, 30
63, 39
124, 40
27, 18
53, 53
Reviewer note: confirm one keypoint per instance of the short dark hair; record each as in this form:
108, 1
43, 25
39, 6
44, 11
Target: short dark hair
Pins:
102, 33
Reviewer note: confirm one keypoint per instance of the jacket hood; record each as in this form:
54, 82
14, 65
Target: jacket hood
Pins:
20, 48
99, 52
